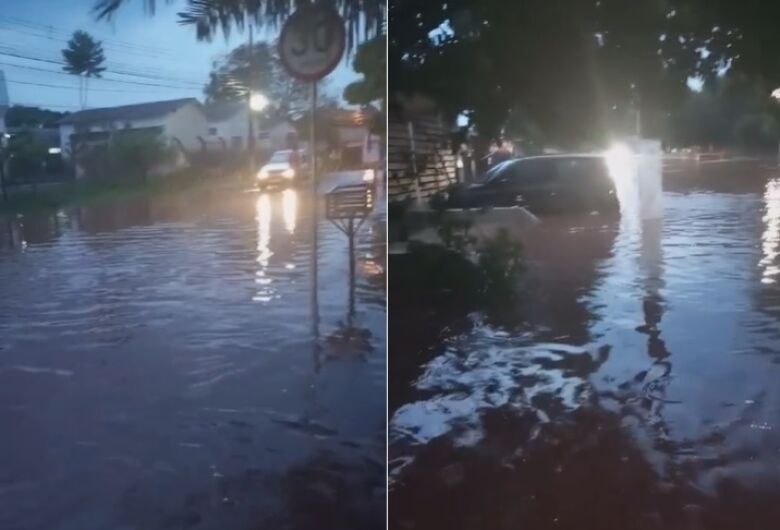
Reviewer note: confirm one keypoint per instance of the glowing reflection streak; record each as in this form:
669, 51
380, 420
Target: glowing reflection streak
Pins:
770, 238
290, 209
263, 218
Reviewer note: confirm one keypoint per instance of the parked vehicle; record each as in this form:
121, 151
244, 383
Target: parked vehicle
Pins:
544, 185
284, 168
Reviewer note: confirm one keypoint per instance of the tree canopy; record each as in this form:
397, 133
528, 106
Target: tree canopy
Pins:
259, 69
24, 116
370, 62
573, 69
364, 18
84, 58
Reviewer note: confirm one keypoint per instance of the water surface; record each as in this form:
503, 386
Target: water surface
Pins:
636, 388
157, 367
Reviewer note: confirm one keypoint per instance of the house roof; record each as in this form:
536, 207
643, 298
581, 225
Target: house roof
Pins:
127, 112
223, 110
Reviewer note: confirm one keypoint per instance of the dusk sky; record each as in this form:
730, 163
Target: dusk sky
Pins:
165, 59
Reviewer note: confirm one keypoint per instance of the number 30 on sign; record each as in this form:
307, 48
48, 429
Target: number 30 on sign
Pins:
312, 42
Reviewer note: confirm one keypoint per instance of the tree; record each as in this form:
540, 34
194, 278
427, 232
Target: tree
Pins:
364, 18
233, 75
83, 57
571, 68
23, 116
137, 153
734, 110
370, 61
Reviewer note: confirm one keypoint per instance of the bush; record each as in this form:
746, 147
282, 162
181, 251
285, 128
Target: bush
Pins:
491, 280
501, 264
130, 155
26, 156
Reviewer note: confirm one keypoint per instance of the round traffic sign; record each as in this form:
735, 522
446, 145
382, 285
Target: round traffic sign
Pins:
312, 42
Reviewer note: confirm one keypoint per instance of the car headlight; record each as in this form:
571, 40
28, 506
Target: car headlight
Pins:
288, 173
262, 174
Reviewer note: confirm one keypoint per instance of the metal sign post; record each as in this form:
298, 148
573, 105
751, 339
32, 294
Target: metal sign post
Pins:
311, 45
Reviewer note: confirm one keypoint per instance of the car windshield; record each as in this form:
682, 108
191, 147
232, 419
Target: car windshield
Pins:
498, 171
280, 157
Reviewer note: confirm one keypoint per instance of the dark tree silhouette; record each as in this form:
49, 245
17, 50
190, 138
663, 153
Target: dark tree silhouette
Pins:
84, 58
364, 18
232, 77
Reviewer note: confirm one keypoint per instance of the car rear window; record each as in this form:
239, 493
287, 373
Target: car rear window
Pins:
280, 156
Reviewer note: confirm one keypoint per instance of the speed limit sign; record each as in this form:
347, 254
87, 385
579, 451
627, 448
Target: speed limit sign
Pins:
312, 42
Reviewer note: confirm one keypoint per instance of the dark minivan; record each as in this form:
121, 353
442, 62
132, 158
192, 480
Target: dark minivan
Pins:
544, 185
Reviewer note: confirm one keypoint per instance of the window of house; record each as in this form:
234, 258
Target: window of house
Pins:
263, 135
212, 131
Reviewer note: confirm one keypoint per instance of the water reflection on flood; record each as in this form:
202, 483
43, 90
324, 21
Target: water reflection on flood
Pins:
639, 391
157, 368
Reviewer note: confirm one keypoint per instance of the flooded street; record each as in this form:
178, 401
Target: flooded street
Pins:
636, 387
157, 367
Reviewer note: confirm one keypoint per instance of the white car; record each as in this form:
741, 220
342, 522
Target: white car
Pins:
283, 168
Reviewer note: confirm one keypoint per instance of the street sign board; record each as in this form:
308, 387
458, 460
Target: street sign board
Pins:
312, 42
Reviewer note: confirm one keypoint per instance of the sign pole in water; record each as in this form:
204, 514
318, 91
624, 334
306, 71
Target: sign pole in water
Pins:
311, 45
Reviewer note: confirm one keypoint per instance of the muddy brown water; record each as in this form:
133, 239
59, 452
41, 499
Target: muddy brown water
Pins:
640, 389
157, 368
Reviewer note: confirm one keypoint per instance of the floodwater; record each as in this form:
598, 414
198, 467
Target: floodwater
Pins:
158, 368
638, 386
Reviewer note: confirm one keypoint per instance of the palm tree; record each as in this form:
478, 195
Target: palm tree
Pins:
83, 57
364, 18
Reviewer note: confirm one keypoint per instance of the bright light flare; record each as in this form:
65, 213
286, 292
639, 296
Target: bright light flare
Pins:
620, 162
368, 175
258, 101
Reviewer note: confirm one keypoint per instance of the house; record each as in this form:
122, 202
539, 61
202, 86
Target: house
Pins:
180, 122
351, 137
228, 128
228, 125
276, 136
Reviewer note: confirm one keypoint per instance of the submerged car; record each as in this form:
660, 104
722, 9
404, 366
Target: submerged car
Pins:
284, 168
544, 184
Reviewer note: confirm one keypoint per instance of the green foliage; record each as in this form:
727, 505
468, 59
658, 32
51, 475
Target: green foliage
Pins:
570, 70
25, 155
456, 234
84, 58
370, 61
490, 281
731, 111
84, 55
137, 153
23, 116
757, 133
364, 18
261, 70
130, 156
501, 263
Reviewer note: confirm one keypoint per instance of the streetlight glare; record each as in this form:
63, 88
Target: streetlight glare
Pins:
258, 101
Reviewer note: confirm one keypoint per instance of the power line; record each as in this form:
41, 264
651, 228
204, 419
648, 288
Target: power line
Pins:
116, 72
64, 41
103, 79
63, 31
63, 87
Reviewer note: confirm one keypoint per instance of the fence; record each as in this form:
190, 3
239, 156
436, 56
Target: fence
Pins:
420, 160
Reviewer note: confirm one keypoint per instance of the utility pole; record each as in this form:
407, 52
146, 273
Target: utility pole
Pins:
250, 141
315, 214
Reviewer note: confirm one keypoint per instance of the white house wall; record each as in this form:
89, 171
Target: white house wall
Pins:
236, 126
187, 125
67, 130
